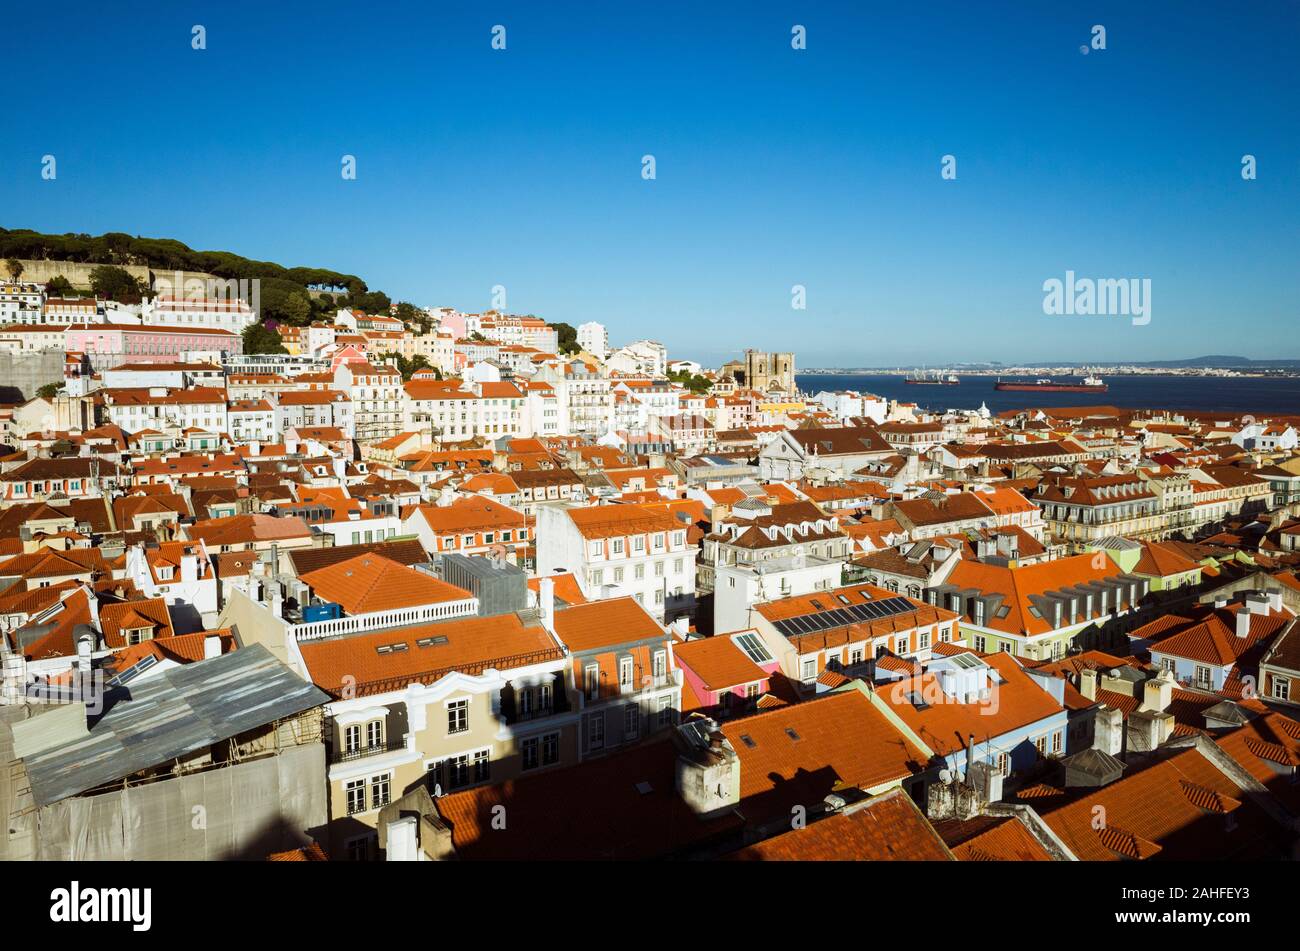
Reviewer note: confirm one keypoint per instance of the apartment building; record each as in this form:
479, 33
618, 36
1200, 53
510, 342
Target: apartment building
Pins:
307, 409
376, 395
620, 550
1042, 611
847, 630
472, 525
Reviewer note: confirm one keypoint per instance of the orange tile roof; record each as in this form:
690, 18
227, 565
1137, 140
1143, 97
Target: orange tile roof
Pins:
1160, 809
151, 613
611, 521
566, 587
888, 827
945, 726
371, 582
801, 753
599, 624
718, 662
1005, 841
472, 645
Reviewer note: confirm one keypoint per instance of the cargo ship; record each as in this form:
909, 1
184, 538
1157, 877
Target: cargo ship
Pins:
1090, 384
924, 379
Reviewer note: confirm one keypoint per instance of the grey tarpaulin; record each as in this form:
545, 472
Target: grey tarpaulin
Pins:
245, 811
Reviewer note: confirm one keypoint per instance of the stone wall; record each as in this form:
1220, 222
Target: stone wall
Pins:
22, 374
78, 274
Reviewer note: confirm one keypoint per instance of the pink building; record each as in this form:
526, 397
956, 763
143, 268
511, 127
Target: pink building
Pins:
137, 343
725, 675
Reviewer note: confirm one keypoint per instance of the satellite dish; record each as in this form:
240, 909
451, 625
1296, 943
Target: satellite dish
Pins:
945, 775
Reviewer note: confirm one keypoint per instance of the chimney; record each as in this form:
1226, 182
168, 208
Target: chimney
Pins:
1109, 731
970, 753
708, 776
403, 840
1275, 600
211, 646
15, 676
1157, 692
1088, 684
85, 647
1243, 622
1257, 602
1220, 601
546, 603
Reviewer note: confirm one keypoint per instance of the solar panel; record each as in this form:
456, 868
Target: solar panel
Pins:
753, 648
133, 671
843, 617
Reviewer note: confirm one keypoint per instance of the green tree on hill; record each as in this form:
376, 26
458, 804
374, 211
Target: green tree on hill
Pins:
114, 283
59, 286
259, 338
567, 338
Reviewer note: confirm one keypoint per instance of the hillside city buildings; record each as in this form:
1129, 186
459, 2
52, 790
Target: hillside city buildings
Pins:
652, 608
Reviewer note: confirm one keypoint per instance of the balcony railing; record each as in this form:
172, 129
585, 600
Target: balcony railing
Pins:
348, 756
378, 620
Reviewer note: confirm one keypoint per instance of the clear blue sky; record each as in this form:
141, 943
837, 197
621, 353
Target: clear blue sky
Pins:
775, 167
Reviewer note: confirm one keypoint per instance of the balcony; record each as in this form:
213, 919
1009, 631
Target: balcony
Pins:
349, 756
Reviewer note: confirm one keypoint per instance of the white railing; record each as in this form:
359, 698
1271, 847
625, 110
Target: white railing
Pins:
378, 620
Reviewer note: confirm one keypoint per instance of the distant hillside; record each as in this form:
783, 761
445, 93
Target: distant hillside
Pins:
286, 293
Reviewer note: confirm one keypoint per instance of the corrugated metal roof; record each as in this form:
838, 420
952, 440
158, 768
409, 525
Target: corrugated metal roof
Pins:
176, 713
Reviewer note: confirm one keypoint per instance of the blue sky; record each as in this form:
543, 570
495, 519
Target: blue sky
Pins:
775, 167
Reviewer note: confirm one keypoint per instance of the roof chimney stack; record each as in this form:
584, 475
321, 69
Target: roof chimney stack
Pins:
546, 603
1243, 622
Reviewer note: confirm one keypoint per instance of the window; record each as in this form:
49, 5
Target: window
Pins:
1167, 663
922, 640
618, 576
665, 715
631, 721
379, 789
677, 566
625, 673
1202, 676
810, 668
592, 673
1056, 742
638, 572
596, 731
356, 796
457, 771
550, 749
597, 549
1004, 764
359, 849
458, 716
900, 645
1281, 688
352, 739
530, 752
482, 767
659, 569
660, 667
544, 697
618, 546
979, 643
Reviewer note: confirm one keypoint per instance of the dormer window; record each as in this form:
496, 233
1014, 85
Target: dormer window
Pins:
165, 572
137, 635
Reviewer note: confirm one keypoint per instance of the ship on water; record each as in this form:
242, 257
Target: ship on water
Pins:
1089, 384
932, 379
